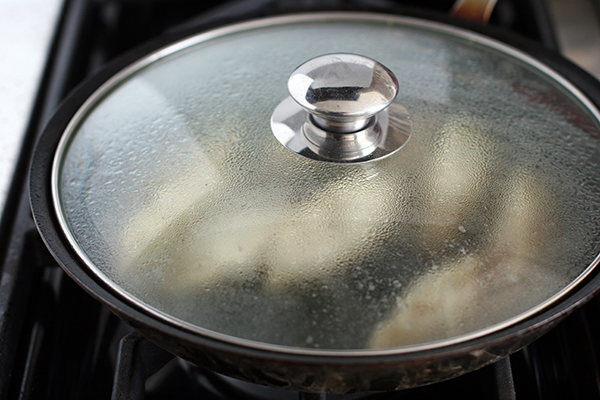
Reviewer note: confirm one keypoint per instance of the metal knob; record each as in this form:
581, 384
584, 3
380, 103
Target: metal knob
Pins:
342, 110
342, 92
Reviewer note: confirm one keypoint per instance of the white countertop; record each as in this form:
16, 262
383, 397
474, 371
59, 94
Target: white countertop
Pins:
26, 29
577, 28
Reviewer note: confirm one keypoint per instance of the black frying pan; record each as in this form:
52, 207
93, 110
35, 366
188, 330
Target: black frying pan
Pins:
306, 372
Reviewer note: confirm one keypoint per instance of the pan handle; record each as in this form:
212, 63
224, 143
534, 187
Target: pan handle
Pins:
477, 10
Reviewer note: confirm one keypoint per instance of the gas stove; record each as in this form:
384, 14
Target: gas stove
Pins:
58, 342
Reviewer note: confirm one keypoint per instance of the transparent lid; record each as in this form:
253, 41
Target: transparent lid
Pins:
173, 189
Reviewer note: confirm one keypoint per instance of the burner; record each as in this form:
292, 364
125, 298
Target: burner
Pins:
144, 369
235, 388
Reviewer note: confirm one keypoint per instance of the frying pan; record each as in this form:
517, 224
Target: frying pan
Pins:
390, 363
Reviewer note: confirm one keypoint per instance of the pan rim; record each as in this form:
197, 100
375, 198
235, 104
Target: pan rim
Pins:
267, 22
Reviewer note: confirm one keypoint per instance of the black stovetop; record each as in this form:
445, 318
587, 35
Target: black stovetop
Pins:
56, 342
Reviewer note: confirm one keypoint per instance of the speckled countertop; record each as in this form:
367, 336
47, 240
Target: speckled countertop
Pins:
26, 28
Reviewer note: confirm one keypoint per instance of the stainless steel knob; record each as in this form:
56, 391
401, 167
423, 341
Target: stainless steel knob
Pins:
343, 91
342, 109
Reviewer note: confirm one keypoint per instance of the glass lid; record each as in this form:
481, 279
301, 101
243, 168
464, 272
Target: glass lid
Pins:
174, 188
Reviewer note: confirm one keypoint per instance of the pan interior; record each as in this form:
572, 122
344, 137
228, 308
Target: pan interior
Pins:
174, 192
